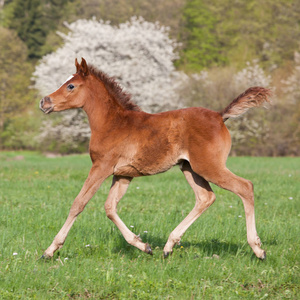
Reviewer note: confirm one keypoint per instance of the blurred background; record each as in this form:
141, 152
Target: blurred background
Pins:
167, 54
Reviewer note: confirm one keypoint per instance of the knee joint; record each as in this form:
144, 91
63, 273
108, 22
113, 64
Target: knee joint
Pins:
249, 191
109, 210
207, 201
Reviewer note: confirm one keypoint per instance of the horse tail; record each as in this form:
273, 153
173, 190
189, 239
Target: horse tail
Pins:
253, 97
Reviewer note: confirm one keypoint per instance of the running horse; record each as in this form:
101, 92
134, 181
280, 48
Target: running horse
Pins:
127, 142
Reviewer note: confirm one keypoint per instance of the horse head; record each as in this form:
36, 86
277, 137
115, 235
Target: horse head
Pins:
71, 94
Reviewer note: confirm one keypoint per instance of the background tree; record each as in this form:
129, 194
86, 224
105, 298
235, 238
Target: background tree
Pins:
15, 74
27, 21
202, 47
138, 53
288, 112
33, 20
218, 33
167, 12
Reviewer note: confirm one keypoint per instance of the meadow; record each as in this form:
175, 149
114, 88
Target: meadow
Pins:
213, 260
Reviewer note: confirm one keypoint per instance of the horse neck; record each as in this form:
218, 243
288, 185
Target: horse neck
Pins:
100, 108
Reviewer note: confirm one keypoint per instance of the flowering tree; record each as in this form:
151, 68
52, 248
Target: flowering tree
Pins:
251, 75
138, 54
68, 134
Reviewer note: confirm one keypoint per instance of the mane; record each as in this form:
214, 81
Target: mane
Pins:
114, 89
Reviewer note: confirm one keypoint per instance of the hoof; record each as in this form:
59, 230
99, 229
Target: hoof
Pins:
264, 255
148, 249
45, 257
166, 254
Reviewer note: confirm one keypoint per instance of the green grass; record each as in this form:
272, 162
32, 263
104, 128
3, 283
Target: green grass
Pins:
213, 261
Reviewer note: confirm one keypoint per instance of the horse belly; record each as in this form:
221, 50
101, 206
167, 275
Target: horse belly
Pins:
156, 162
146, 164
127, 170
143, 168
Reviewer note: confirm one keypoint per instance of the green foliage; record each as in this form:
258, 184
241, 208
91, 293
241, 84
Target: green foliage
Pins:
213, 261
217, 32
33, 20
27, 21
202, 44
267, 29
20, 131
15, 73
167, 12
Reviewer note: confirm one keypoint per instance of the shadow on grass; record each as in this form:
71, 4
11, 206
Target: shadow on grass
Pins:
115, 243
201, 248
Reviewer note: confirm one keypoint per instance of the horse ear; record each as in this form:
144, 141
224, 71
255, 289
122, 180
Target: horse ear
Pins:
84, 67
77, 65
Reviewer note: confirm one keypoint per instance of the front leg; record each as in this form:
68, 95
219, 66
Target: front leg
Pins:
96, 176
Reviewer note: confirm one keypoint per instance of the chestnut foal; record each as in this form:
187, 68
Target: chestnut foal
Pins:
127, 142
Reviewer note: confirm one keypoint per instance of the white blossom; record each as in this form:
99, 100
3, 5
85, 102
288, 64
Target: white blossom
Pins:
139, 54
202, 77
71, 131
252, 75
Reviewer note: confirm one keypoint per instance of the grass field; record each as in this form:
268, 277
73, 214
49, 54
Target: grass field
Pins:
213, 261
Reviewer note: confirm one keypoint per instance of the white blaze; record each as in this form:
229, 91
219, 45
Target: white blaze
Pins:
69, 78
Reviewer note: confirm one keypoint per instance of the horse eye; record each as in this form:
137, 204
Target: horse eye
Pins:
70, 87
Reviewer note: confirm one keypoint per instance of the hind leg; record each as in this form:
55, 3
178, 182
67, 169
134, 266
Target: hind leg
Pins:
118, 189
244, 189
204, 198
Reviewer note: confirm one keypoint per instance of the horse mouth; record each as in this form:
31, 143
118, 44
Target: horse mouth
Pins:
47, 110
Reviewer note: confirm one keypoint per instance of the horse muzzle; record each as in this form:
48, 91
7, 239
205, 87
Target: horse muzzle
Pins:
46, 105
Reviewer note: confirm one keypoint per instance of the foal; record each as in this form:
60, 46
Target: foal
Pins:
127, 142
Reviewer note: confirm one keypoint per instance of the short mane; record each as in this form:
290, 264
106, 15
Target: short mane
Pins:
114, 89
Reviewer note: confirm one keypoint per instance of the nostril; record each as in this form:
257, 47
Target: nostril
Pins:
46, 105
47, 99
